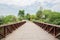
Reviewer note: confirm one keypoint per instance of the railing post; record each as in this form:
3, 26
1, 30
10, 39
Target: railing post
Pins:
5, 31
54, 31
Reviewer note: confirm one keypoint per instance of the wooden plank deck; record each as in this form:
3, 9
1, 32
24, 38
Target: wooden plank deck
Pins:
29, 31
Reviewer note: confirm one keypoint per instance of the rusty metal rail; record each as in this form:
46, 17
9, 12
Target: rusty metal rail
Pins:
50, 28
7, 29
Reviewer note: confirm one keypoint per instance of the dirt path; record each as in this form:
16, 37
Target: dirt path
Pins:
29, 31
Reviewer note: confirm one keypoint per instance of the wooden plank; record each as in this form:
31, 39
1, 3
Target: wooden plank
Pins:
58, 35
50, 29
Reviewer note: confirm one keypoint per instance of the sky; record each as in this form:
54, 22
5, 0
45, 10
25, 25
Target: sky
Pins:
11, 7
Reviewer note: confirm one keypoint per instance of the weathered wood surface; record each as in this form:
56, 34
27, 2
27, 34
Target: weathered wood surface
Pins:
9, 28
29, 31
52, 29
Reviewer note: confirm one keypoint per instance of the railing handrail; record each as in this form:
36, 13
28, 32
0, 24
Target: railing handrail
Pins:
9, 28
50, 28
10, 24
50, 24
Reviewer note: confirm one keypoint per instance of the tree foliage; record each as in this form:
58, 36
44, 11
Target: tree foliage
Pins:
9, 19
21, 14
1, 20
52, 17
46, 16
28, 16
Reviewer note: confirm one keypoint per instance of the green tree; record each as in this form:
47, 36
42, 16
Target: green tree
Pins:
21, 14
28, 16
1, 20
55, 18
52, 17
32, 17
39, 13
10, 18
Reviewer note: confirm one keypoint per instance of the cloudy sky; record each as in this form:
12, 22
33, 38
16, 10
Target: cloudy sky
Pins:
11, 7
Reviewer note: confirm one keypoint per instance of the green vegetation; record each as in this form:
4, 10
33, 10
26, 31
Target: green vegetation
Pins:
8, 19
21, 14
52, 17
27, 16
11, 18
46, 16
1, 20
49, 16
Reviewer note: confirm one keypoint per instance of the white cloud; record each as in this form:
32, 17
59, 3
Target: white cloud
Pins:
17, 2
56, 6
50, 4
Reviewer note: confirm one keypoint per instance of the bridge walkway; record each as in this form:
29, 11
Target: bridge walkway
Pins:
29, 31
